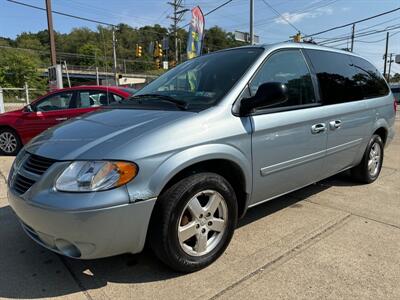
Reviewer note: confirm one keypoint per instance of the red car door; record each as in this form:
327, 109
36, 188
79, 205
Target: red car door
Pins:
47, 112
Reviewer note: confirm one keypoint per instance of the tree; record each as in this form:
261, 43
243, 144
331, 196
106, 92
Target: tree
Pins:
18, 67
395, 78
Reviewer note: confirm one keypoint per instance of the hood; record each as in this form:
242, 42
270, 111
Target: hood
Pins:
96, 135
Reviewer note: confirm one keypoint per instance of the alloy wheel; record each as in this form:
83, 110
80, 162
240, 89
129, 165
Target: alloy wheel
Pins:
8, 142
202, 223
374, 160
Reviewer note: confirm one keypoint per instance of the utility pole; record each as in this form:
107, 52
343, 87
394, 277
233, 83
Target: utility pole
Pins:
51, 33
352, 37
251, 22
178, 15
114, 41
390, 66
385, 55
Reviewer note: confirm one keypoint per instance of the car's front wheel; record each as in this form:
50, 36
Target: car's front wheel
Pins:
10, 142
193, 222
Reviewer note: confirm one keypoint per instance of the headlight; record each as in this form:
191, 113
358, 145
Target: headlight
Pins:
89, 176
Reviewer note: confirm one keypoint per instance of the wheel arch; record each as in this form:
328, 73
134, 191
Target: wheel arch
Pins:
224, 160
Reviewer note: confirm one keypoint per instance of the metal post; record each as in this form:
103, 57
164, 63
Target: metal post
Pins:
97, 76
385, 55
114, 56
352, 37
180, 51
251, 22
26, 93
51, 33
66, 70
2, 110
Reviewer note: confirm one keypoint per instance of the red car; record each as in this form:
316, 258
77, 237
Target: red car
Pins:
20, 126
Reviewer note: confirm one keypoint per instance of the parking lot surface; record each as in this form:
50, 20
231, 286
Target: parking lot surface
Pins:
335, 239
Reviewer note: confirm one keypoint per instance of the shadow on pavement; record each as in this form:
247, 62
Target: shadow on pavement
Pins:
29, 271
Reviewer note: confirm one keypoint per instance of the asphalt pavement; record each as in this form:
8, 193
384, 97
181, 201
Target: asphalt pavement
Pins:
332, 240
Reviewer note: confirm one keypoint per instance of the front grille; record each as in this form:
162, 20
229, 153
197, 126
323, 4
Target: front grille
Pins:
37, 164
22, 184
33, 164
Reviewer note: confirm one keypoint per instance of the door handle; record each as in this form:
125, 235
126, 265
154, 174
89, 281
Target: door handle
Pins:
62, 119
317, 128
335, 124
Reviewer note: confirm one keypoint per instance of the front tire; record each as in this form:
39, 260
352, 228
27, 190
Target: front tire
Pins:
193, 222
370, 167
10, 143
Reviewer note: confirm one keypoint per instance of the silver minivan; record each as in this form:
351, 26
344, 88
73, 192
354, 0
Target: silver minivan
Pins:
177, 164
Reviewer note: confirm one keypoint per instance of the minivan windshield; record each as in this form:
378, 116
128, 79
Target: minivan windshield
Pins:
198, 83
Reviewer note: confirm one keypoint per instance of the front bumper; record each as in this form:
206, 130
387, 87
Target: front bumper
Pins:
85, 234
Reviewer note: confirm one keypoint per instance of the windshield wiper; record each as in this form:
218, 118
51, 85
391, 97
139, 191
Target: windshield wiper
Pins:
178, 103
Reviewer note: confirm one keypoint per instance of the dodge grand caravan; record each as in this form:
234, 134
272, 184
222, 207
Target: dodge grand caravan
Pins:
177, 164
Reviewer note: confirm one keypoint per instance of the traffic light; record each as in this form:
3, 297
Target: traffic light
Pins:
138, 51
158, 63
158, 51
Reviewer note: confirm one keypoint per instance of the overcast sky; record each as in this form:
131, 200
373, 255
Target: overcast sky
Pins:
307, 16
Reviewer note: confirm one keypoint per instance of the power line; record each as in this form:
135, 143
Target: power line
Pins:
78, 17
312, 7
355, 22
389, 28
280, 15
218, 7
357, 31
209, 12
62, 14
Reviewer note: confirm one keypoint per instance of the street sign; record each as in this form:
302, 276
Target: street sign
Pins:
245, 37
397, 59
165, 65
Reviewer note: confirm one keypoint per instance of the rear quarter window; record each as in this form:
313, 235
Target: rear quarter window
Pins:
369, 78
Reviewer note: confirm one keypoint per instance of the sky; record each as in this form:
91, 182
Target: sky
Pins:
306, 16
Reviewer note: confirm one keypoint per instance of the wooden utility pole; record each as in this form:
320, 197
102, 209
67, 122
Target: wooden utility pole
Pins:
385, 55
51, 33
179, 11
251, 22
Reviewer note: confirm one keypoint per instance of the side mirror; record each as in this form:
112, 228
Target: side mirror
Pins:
268, 95
28, 109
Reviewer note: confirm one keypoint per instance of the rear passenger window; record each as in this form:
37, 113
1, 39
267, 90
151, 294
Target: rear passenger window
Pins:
287, 67
336, 77
369, 78
92, 99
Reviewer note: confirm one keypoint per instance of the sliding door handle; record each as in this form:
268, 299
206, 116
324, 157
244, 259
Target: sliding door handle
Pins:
317, 128
335, 124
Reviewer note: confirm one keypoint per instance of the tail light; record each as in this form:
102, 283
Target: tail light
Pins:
395, 105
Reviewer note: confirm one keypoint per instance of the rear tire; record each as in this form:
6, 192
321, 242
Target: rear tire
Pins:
193, 222
10, 143
370, 167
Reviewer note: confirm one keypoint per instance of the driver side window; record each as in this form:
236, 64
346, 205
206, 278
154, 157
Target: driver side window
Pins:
287, 67
58, 101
